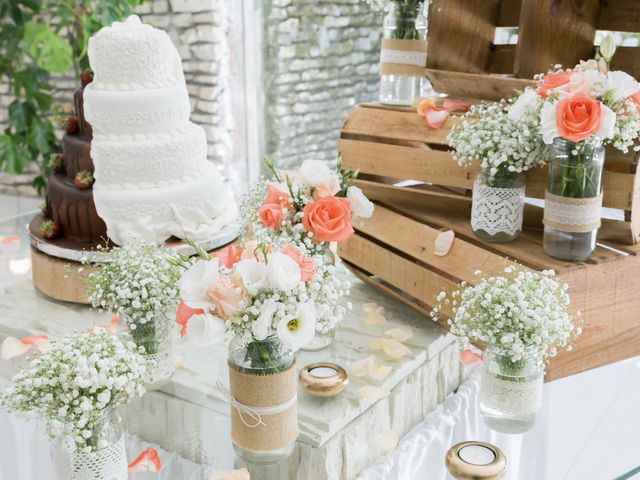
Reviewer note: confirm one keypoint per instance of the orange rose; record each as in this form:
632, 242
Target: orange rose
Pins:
635, 98
276, 196
329, 219
578, 117
306, 264
551, 81
270, 215
228, 256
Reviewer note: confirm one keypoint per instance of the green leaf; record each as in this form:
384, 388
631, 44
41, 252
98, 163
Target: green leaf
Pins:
41, 136
14, 156
49, 50
21, 115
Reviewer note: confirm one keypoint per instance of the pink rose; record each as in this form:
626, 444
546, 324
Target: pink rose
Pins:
226, 295
228, 256
276, 196
552, 81
306, 264
329, 219
270, 215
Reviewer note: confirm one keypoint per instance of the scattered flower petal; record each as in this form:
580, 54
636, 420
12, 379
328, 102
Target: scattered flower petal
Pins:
12, 347
386, 441
373, 314
178, 361
443, 243
391, 348
378, 372
33, 339
368, 368
436, 116
402, 333
373, 393
469, 358
424, 104
242, 474
361, 367
452, 106
147, 461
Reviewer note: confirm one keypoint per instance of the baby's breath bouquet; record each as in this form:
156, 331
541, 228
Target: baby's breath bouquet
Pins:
71, 386
139, 283
519, 312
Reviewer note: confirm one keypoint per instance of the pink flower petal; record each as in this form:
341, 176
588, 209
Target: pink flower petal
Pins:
373, 314
242, 474
12, 347
34, 339
452, 106
147, 461
402, 333
443, 243
436, 116
393, 349
469, 358
386, 441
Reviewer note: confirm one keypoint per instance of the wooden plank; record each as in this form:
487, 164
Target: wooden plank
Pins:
460, 33
472, 87
438, 167
501, 59
554, 32
509, 15
619, 16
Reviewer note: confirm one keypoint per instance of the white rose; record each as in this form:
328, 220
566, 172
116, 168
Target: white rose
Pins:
525, 103
607, 122
283, 271
261, 327
360, 205
548, 126
298, 330
315, 173
204, 329
253, 274
195, 283
622, 84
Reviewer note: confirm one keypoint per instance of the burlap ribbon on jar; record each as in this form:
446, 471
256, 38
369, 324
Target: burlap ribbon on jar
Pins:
574, 215
264, 409
407, 58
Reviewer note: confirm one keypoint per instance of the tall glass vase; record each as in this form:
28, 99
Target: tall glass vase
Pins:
402, 80
263, 386
155, 336
498, 205
511, 391
573, 200
106, 461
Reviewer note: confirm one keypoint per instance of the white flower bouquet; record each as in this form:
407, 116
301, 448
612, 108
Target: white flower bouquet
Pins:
71, 385
516, 313
254, 293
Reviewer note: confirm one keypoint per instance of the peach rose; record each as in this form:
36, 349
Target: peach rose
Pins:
226, 294
306, 264
579, 83
270, 215
277, 196
551, 81
577, 117
228, 256
327, 189
329, 219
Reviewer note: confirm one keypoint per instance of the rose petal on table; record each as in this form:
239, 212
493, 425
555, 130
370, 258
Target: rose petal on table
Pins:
469, 358
31, 340
373, 314
43, 344
178, 361
423, 104
443, 243
386, 441
378, 372
242, 474
147, 461
12, 347
436, 116
401, 333
361, 367
452, 106
391, 348
376, 344
373, 393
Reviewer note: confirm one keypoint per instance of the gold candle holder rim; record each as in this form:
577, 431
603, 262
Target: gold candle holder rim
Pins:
460, 469
323, 386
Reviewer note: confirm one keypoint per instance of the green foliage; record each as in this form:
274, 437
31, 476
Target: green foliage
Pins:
39, 38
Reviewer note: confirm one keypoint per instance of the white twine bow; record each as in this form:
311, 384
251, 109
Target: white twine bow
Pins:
255, 413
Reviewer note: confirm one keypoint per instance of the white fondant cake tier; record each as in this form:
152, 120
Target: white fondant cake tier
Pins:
130, 55
150, 160
136, 112
194, 210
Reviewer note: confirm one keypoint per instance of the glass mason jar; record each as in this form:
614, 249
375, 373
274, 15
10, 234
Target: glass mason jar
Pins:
262, 358
511, 392
572, 211
108, 460
404, 20
498, 206
155, 336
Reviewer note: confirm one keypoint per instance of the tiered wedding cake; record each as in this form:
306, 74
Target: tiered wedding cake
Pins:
152, 177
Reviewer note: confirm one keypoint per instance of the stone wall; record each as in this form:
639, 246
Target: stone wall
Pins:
321, 58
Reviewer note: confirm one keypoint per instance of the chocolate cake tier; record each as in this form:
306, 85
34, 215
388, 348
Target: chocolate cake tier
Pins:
73, 209
77, 154
78, 101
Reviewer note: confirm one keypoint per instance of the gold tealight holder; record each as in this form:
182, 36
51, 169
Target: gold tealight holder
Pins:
475, 461
323, 379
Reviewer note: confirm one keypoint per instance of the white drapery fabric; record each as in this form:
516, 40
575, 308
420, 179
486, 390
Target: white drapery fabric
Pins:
420, 454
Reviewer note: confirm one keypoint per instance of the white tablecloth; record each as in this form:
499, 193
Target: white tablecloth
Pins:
420, 453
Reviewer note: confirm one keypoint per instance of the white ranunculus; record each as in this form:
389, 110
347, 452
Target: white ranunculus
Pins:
261, 327
205, 329
607, 122
315, 173
195, 283
297, 330
360, 205
525, 103
283, 271
253, 274
622, 84
548, 126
